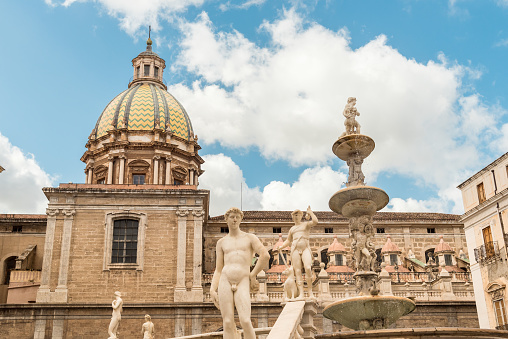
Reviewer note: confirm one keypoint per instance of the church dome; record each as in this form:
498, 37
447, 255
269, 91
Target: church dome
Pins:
144, 107
144, 135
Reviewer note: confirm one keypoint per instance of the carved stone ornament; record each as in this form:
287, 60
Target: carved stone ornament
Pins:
52, 211
69, 213
198, 213
182, 213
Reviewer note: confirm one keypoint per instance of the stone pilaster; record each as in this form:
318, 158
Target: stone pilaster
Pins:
110, 170
197, 321
122, 170
40, 328
168, 171
156, 169
179, 322
43, 294
307, 323
197, 270
180, 290
61, 289
191, 177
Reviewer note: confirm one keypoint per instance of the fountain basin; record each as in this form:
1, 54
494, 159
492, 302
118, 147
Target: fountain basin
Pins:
353, 144
369, 312
358, 200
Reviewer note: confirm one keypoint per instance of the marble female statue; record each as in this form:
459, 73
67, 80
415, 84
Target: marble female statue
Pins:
148, 328
301, 253
233, 279
116, 316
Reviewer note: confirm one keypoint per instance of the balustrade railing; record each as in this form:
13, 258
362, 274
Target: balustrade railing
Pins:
502, 327
486, 252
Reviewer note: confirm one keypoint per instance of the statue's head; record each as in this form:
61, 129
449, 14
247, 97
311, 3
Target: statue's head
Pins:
351, 99
148, 318
233, 217
118, 294
297, 215
233, 210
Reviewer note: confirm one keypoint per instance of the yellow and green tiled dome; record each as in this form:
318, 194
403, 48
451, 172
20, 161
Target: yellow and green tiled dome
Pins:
144, 107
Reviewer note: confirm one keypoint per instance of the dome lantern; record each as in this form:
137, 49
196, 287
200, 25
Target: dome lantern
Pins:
148, 67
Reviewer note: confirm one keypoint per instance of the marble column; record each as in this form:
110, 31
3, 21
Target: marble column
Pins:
168, 171
196, 178
156, 169
180, 289
110, 170
43, 294
122, 170
191, 177
197, 271
61, 289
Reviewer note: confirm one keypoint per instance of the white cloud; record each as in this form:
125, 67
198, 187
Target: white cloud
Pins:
22, 181
502, 42
224, 178
133, 14
502, 3
227, 185
245, 5
286, 99
314, 187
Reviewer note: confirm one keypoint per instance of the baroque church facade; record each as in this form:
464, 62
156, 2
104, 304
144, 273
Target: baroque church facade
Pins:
140, 225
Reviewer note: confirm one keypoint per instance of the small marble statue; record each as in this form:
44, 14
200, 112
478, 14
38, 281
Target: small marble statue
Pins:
233, 279
116, 317
350, 112
362, 232
355, 176
301, 253
290, 290
148, 328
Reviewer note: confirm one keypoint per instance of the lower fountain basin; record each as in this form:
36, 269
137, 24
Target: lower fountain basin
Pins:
358, 200
369, 312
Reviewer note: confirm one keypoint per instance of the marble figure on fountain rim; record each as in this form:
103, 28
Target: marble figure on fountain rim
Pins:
148, 329
117, 305
301, 253
233, 279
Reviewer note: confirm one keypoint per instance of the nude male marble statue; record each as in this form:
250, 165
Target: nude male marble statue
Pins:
233, 279
116, 316
301, 253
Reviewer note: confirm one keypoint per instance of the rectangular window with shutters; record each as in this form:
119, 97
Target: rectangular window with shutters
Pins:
156, 72
125, 241
394, 260
339, 260
448, 259
147, 70
499, 309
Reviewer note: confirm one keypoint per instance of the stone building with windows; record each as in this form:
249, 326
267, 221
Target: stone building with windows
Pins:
485, 197
140, 225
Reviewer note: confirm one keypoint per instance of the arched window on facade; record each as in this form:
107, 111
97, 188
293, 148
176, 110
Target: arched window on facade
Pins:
324, 256
429, 254
9, 265
379, 257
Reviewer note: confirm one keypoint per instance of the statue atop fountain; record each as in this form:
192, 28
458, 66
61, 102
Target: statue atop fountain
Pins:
358, 202
350, 112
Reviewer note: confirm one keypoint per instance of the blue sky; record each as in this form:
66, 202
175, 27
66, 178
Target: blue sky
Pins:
264, 83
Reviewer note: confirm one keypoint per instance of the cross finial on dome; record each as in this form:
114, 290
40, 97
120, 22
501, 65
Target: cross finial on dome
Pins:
149, 41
